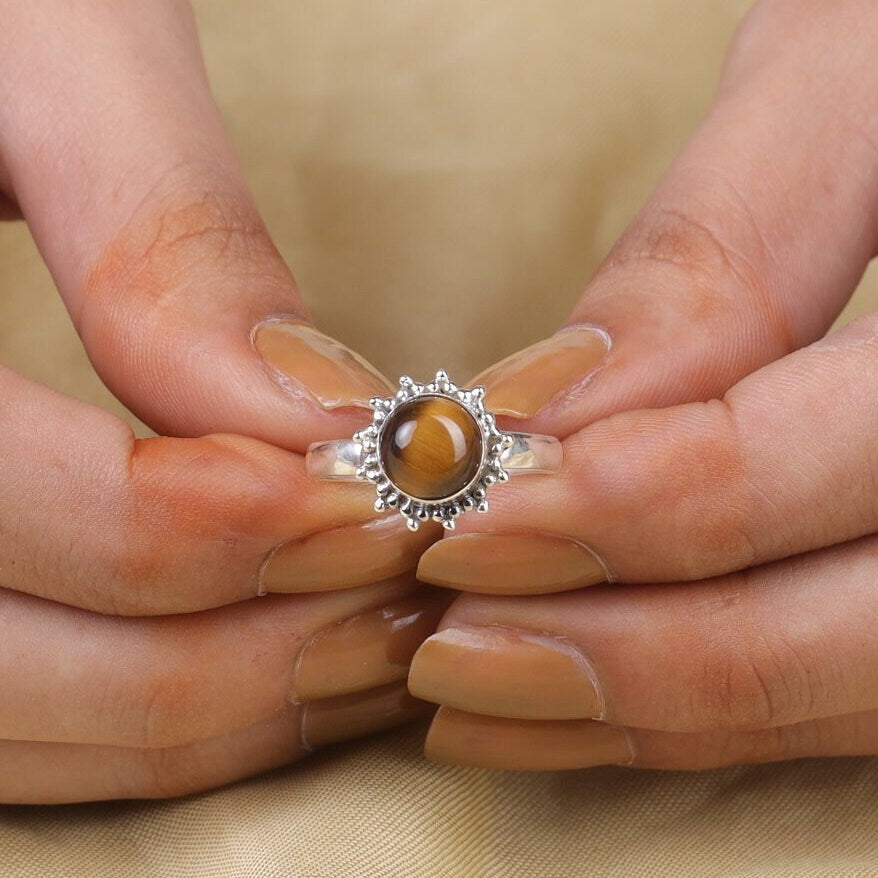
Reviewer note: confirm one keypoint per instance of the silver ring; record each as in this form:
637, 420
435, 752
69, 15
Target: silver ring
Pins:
432, 451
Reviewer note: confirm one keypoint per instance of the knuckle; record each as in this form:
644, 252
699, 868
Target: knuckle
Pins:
207, 231
676, 237
712, 529
163, 707
769, 744
717, 498
737, 693
794, 740
755, 683
724, 267
224, 501
143, 567
169, 773
200, 512
188, 214
730, 747
191, 230
148, 701
134, 575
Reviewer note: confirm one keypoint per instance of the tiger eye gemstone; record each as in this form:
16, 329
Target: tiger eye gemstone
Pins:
431, 447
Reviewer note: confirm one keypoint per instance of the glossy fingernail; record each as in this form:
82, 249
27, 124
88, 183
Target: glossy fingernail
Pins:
346, 556
307, 360
511, 563
506, 672
367, 650
351, 716
529, 380
459, 738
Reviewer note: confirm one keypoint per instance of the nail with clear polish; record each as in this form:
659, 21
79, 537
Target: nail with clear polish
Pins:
527, 381
511, 563
307, 360
459, 738
345, 557
506, 672
371, 649
351, 716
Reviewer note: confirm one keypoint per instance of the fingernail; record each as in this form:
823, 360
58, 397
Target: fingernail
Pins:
527, 381
307, 360
511, 563
459, 738
506, 672
347, 556
351, 716
367, 650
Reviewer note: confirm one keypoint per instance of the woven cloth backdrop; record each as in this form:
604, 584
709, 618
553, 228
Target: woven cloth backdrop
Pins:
443, 177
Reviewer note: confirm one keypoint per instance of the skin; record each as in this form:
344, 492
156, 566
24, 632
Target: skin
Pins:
739, 262
130, 567
722, 458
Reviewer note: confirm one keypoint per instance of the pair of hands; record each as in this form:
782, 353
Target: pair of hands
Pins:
718, 462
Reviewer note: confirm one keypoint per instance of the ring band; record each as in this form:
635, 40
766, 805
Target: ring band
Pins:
433, 451
338, 460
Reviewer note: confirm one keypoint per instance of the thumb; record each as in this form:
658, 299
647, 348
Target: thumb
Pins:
727, 269
746, 251
138, 204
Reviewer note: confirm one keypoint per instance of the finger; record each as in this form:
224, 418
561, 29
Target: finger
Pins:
93, 518
178, 679
460, 738
784, 464
44, 773
718, 276
852, 735
748, 248
774, 646
138, 204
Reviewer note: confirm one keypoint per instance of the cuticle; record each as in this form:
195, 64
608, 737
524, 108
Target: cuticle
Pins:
598, 330
261, 591
629, 739
608, 573
588, 378
287, 384
303, 737
273, 319
316, 637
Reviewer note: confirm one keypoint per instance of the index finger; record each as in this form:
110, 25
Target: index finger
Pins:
92, 517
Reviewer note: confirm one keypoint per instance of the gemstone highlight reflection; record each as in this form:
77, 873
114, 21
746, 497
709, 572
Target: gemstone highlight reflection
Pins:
431, 447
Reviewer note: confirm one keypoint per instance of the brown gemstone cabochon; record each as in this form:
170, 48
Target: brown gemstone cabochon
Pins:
431, 447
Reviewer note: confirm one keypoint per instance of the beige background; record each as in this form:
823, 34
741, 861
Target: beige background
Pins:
443, 177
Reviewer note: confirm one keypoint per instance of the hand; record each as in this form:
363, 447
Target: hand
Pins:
133, 661
719, 460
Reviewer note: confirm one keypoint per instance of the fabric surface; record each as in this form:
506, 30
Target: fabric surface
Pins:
444, 177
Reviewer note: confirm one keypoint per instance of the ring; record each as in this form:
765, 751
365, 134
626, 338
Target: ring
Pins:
432, 451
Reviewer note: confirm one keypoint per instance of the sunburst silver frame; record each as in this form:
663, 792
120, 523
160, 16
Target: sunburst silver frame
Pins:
445, 509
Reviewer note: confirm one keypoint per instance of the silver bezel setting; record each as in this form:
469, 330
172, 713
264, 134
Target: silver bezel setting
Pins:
444, 509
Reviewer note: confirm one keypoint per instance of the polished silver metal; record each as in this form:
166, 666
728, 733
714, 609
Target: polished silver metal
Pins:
503, 454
